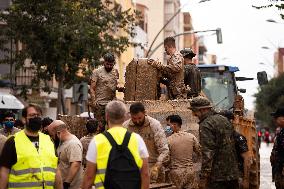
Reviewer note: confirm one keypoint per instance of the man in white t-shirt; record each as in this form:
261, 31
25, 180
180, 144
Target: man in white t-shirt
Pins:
98, 148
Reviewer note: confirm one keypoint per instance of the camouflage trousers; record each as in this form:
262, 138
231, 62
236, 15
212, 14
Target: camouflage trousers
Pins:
184, 178
231, 184
99, 114
279, 181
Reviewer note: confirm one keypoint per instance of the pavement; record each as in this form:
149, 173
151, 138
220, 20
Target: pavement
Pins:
265, 167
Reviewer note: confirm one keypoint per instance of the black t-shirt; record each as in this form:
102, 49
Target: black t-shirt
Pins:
9, 156
241, 147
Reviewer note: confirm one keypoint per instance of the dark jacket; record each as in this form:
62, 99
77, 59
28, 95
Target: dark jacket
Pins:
219, 159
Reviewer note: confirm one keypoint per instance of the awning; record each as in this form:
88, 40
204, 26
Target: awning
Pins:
8, 101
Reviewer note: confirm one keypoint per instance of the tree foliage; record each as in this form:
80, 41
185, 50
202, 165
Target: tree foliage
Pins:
268, 98
272, 3
59, 34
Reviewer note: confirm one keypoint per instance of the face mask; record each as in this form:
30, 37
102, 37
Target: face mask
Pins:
34, 124
168, 130
9, 124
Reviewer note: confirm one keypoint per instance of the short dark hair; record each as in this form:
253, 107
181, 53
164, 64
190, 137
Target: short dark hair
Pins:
176, 119
109, 57
46, 121
137, 107
9, 114
170, 41
92, 125
35, 106
169, 118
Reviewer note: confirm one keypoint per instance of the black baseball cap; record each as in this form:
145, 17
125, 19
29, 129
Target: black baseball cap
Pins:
278, 113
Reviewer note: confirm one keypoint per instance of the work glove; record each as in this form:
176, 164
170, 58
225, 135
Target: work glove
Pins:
154, 63
154, 172
150, 61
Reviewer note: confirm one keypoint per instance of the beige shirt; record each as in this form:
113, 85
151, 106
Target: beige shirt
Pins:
182, 145
70, 151
2, 142
105, 84
5, 132
154, 138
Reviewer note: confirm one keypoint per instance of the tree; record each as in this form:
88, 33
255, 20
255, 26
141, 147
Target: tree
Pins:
268, 98
272, 3
58, 35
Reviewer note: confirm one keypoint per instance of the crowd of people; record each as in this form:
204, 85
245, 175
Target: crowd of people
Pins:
58, 158
130, 149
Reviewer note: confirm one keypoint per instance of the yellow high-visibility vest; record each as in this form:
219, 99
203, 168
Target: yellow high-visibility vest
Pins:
34, 169
103, 150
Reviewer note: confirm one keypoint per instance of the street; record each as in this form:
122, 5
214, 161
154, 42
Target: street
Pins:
265, 167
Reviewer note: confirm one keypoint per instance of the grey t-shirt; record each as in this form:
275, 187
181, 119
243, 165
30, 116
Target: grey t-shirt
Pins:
70, 151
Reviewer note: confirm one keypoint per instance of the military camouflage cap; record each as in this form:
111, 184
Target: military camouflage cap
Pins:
187, 52
199, 103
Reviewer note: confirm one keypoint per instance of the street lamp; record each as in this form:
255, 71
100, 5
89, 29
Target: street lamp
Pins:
273, 21
265, 47
266, 64
165, 25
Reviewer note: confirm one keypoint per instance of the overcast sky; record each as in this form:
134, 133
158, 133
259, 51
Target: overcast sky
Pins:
245, 30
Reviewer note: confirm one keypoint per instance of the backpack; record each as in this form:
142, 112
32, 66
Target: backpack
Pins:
122, 171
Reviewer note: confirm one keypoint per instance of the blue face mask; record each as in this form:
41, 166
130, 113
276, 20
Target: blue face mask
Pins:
9, 124
168, 130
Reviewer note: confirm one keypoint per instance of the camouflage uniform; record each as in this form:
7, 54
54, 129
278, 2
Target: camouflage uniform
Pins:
85, 143
277, 160
182, 145
192, 78
105, 91
219, 160
155, 140
174, 71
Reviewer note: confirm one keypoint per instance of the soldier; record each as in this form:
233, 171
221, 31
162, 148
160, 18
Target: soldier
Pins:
242, 152
182, 145
92, 129
277, 154
219, 168
173, 71
192, 76
154, 136
103, 87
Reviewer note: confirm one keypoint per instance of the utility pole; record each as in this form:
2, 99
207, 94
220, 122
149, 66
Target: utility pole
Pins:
218, 32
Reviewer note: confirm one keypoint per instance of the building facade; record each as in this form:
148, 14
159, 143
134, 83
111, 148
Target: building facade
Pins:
279, 62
